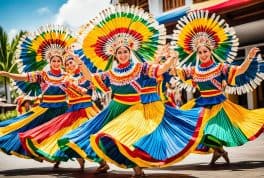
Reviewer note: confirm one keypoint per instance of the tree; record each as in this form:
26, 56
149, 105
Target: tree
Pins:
7, 58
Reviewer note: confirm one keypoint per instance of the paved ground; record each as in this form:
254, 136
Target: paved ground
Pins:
247, 162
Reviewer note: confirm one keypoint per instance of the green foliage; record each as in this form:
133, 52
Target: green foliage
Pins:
8, 115
7, 51
8, 55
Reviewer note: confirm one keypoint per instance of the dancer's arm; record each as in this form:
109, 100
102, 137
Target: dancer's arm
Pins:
171, 57
20, 77
85, 71
244, 66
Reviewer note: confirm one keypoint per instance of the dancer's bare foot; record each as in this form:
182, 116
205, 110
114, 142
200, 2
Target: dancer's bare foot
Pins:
103, 168
56, 165
81, 161
225, 156
138, 172
216, 156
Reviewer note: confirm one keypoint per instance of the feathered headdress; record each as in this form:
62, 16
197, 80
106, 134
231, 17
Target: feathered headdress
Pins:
35, 50
199, 28
120, 25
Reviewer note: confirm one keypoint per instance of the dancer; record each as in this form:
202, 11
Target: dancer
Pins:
35, 51
42, 140
148, 134
205, 42
142, 34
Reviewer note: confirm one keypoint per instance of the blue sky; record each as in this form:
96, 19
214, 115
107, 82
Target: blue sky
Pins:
28, 15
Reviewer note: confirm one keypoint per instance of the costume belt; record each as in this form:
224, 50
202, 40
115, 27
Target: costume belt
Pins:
53, 98
210, 93
127, 98
82, 99
148, 90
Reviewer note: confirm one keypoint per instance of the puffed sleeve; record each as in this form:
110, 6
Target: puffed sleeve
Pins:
34, 77
185, 73
150, 70
229, 73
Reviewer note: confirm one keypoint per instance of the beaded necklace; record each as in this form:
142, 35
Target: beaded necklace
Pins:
125, 75
203, 74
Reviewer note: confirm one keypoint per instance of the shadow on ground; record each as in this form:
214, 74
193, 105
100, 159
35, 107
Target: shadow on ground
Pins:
88, 172
237, 166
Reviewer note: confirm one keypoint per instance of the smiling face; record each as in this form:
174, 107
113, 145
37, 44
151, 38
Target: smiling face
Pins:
204, 54
56, 62
122, 55
70, 65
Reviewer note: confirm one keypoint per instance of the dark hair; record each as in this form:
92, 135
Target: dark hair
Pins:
56, 56
68, 59
120, 47
205, 46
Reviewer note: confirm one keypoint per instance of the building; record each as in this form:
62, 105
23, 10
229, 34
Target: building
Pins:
247, 18
4, 107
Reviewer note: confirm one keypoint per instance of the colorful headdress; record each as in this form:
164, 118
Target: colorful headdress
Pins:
198, 28
35, 49
120, 25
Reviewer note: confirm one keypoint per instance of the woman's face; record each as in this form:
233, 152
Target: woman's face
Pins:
122, 55
204, 54
70, 65
56, 62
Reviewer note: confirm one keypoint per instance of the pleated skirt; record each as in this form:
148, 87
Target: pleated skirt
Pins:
149, 135
9, 132
228, 124
77, 142
42, 140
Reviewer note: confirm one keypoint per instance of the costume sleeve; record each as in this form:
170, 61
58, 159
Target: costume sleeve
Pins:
35, 77
247, 81
74, 89
183, 79
150, 70
229, 73
101, 81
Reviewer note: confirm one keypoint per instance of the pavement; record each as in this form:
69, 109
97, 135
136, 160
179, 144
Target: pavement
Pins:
247, 161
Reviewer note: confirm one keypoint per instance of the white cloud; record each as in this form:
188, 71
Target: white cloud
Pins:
12, 33
43, 11
75, 13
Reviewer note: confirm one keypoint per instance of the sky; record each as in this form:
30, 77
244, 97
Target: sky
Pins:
28, 15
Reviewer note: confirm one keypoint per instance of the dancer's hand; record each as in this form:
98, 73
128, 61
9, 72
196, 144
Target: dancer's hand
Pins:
174, 54
166, 51
78, 60
252, 53
161, 53
4, 73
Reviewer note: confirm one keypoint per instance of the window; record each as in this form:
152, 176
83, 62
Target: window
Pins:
172, 4
140, 3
